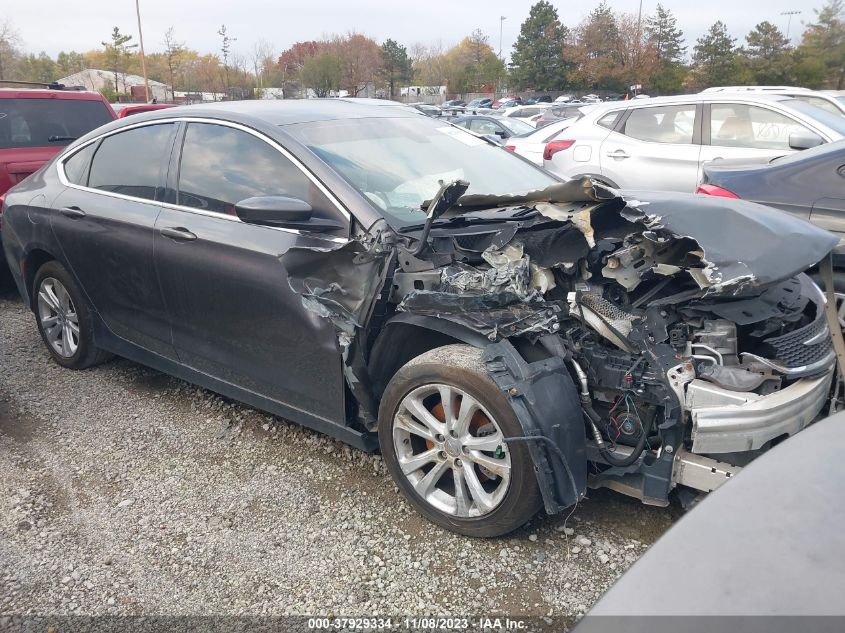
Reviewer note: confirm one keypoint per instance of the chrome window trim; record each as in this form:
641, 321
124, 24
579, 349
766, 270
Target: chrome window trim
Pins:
60, 168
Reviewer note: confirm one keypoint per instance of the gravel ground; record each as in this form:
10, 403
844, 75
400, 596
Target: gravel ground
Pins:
124, 491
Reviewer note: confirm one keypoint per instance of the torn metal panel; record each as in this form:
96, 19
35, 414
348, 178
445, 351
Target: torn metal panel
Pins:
341, 284
761, 246
496, 316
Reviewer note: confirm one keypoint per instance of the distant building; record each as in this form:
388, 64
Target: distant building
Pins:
99, 80
422, 91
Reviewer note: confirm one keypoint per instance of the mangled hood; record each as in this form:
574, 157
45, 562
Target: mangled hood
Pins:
744, 243
728, 246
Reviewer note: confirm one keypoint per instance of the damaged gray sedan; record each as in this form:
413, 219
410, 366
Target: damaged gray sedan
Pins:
505, 339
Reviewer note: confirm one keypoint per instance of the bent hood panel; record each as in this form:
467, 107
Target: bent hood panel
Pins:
745, 243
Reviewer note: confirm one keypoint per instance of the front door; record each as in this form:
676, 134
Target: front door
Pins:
233, 315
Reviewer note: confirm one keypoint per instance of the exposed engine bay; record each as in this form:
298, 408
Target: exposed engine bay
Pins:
679, 339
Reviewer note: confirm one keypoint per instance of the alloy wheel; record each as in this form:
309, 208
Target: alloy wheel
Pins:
451, 450
58, 317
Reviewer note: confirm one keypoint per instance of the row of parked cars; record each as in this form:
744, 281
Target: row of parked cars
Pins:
409, 286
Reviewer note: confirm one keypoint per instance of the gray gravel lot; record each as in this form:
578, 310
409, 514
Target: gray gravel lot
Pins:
124, 491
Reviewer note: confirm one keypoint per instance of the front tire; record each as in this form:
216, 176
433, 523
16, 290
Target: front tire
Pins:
64, 319
442, 424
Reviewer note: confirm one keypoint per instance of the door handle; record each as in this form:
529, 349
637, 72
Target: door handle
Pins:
178, 233
619, 153
72, 212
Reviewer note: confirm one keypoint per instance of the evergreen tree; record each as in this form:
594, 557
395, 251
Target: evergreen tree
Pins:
667, 41
117, 51
397, 65
767, 55
715, 57
823, 43
537, 59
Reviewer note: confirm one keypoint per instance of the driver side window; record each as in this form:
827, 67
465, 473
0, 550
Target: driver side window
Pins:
220, 166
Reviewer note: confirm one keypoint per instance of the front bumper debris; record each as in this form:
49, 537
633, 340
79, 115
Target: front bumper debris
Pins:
727, 422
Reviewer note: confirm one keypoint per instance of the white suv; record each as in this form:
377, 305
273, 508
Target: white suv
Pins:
662, 143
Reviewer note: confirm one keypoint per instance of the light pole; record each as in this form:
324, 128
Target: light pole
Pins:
501, 22
143, 59
789, 21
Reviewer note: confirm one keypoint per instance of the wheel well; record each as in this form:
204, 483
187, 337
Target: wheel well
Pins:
34, 260
396, 345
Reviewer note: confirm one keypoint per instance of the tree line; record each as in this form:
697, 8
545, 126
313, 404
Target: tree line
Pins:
608, 51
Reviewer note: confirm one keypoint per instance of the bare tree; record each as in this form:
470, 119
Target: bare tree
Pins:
262, 56
173, 50
226, 49
10, 39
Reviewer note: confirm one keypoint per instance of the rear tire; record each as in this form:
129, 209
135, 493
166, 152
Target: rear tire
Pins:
441, 424
64, 319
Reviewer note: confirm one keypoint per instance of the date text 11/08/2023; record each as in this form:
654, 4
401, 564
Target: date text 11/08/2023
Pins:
425, 623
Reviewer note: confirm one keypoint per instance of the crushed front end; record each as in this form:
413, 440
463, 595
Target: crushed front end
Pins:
645, 340
690, 346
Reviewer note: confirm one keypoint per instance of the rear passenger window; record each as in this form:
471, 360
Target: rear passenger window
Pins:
221, 166
130, 162
662, 124
76, 167
609, 120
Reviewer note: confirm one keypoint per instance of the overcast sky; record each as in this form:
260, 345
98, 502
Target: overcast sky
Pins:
55, 25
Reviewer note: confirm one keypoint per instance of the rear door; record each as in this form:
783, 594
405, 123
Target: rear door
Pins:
104, 223
233, 315
654, 147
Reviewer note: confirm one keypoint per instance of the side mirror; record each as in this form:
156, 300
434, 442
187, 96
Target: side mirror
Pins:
804, 139
274, 211
501, 134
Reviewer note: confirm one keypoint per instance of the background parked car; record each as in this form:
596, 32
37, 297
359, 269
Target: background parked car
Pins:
426, 109
809, 184
537, 99
503, 127
124, 110
661, 143
533, 145
481, 102
35, 124
454, 103
507, 102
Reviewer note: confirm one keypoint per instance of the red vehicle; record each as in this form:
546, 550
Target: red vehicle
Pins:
498, 102
35, 124
127, 109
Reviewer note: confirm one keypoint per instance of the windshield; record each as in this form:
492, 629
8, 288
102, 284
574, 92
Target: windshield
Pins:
516, 126
48, 122
833, 121
397, 163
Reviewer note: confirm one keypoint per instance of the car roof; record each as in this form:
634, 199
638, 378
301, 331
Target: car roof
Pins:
288, 111
45, 93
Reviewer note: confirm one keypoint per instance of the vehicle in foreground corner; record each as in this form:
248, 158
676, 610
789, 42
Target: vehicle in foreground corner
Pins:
767, 530
506, 339
808, 184
662, 143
